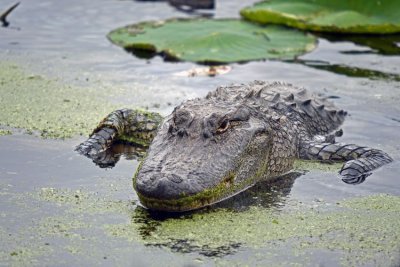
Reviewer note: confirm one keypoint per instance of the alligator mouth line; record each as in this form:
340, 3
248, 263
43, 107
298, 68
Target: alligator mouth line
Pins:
224, 190
189, 203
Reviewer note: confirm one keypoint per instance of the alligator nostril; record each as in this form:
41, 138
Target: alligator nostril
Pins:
207, 134
162, 187
175, 178
182, 132
158, 188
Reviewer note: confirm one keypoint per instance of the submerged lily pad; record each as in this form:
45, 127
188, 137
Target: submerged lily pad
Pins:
356, 16
213, 41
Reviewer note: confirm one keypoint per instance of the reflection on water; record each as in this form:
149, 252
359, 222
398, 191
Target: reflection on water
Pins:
380, 44
191, 7
193, 4
270, 195
349, 71
150, 222
110, 157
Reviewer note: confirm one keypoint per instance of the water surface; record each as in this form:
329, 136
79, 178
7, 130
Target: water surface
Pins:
57, 208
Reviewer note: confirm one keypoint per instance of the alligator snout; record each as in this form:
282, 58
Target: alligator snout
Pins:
165, 186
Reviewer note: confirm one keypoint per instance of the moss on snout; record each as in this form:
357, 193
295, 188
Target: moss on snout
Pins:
185, 203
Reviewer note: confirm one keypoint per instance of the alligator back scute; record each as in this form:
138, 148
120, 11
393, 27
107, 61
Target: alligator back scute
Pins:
317, 115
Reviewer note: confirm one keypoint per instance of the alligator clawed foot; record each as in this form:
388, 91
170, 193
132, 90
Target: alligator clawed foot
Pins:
357, 170
353, 176
87, 149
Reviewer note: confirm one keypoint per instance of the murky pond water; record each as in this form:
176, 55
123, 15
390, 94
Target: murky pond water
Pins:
58, 208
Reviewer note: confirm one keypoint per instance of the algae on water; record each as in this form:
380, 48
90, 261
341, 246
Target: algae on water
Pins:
91, 225
307, 165
47, 107
5, 132
360, 229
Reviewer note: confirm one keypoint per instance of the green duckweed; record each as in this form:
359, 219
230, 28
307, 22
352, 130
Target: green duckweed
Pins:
46, 107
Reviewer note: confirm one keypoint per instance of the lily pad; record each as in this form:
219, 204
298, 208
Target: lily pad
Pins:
356, 16
213, 41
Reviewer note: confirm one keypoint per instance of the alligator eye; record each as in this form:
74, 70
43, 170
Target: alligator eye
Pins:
223, 127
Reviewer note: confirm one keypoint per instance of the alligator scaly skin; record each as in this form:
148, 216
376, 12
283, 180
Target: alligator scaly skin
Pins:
214, 147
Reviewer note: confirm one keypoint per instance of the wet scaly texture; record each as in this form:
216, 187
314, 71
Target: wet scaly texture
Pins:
212, 148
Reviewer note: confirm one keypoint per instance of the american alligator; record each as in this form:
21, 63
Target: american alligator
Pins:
212, 148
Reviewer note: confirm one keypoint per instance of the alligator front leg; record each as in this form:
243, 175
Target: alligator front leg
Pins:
134, 126
360, 160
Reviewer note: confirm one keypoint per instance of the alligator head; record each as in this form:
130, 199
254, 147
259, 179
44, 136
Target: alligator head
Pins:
204, 152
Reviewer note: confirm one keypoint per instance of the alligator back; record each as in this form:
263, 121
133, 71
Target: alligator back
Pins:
314, 114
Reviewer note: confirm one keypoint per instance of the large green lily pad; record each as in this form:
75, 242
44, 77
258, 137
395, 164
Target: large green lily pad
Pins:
355, 16
213, 41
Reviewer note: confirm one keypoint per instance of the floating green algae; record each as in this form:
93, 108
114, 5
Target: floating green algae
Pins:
44, 106
359, 233
58, 224
80, 201
361, 229
5, 132
377, 203
308, 165
92, 225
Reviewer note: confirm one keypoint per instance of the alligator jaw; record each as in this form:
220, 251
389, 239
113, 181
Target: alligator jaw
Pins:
178, 205
226, 189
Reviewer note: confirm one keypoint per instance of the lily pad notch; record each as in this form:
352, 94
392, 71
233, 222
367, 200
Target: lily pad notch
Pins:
339, 16
213, 41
